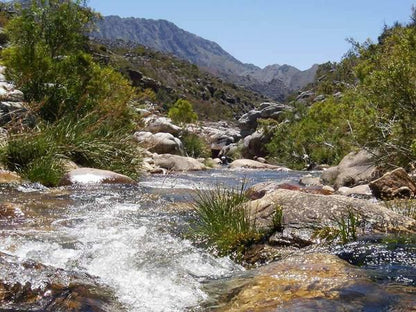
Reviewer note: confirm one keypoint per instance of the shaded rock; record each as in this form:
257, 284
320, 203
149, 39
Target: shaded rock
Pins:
394, 184
248, 122
68, 165
31, 286
13, 110
357, 191
260, 189
94, 176
312, 282
252, 164
354, 169
218, 135
3, 137
305, 95
254, 145
161, 143
178, 163
157, 124
304, 213
8, 177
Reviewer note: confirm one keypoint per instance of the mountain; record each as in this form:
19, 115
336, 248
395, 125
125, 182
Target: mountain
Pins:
274, 81
162, 78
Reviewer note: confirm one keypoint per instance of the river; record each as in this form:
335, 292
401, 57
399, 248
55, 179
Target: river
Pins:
128, 238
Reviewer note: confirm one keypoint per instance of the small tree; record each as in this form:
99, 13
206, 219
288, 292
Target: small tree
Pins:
182, 112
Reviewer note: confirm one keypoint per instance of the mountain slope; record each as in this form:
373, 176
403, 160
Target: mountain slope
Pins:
274, 81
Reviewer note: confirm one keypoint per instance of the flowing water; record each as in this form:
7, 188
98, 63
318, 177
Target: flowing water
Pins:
129, 239
126, 236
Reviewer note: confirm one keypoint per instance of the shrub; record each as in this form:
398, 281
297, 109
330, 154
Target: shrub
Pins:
182, 112
195, 146
87, 142
222, 220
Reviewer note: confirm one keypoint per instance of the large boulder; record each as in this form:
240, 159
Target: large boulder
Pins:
304, 214
252, 164
156, 124
218, 135
254, 145
178, 163
356, 168
161, 143
248, 122
311, 282
394, 184
94, 176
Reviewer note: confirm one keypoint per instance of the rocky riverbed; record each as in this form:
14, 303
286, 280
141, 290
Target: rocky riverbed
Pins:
125, 247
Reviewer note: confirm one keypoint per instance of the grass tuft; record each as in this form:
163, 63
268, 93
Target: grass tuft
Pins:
223, 221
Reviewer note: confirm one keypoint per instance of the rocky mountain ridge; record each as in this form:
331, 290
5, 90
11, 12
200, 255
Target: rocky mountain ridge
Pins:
275, 81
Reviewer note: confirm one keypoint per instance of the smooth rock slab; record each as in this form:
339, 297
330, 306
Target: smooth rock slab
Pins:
178, 163
304, 213
252, 164
94, 176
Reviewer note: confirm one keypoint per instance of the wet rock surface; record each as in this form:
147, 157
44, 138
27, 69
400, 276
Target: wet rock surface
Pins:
312, 282
31, 286
9, 177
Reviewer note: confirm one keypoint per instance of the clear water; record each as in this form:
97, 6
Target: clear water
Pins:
127, 237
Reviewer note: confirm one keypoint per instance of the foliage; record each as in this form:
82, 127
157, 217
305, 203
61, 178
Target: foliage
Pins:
83, 108
182, 112
222, 220
375, 110
278, 219
194, 146
345, 231
38, 155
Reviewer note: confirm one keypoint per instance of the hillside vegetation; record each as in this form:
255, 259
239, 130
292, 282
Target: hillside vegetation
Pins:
163, 79
81, 110
368, 100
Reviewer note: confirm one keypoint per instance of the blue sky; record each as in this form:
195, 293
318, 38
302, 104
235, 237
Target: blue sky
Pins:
264, 32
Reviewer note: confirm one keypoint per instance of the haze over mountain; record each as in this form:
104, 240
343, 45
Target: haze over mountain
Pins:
275, 81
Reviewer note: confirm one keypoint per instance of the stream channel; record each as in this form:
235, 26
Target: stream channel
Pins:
129, 240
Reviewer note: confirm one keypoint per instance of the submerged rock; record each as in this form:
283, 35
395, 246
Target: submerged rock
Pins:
394, 184
31, 286
313, 282
94, 176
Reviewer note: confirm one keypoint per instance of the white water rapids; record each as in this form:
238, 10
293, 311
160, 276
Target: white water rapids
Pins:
128, 239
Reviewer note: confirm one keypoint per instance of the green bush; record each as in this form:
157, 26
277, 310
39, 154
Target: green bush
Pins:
182, 112
222, 220
195, 146
86, 142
